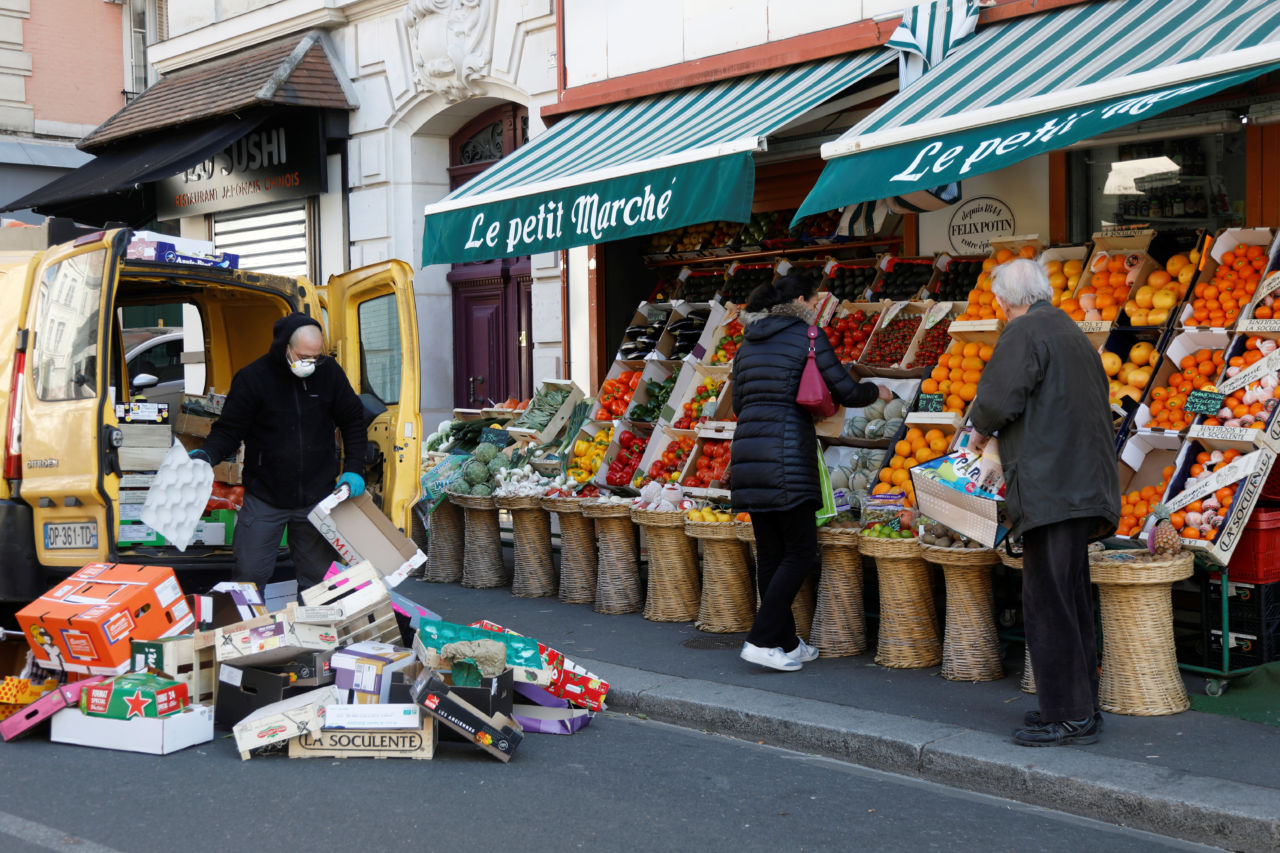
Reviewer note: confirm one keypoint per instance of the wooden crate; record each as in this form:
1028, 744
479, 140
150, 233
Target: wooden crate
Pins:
356, 603
558, 420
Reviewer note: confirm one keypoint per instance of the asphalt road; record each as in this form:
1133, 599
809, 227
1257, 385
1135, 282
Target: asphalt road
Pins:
623, 783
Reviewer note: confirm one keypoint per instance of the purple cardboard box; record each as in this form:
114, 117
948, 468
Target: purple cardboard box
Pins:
548, 714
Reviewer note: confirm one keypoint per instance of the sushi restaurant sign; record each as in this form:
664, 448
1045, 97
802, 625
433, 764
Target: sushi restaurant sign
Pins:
272, 163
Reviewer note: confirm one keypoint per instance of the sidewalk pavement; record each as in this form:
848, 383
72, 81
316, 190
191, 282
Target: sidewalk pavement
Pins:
1195, 776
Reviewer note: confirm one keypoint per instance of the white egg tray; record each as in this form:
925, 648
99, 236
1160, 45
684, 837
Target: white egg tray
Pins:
178, 496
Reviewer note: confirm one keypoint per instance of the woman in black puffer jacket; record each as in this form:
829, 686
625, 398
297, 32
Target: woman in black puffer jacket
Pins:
774, 469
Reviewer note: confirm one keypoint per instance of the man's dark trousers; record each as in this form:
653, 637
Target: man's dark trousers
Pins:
1057, 602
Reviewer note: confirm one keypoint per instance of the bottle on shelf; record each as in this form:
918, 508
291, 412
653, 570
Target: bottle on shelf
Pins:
1156, 209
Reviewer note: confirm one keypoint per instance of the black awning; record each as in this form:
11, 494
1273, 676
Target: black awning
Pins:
116, 185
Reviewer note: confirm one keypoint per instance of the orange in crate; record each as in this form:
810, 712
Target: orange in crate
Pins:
918, 445
1195, 372
957, 374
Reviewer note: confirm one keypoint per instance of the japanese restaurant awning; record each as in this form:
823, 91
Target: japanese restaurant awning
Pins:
638, 167
1039, 83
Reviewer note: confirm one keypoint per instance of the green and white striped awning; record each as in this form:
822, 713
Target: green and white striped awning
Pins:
639, 167
1039, 83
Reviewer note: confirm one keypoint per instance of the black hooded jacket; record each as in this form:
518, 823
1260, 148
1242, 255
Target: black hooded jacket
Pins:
774, 464
287, 425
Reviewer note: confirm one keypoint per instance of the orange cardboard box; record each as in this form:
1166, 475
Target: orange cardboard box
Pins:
85, 623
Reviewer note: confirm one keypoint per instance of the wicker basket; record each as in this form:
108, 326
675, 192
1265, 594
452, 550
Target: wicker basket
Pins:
444, 544
674, 588
482, 566
1028, 682
535, 570
618, 580
1139, 665
908, 637
577, 550
728, 599
840, 620
970, 645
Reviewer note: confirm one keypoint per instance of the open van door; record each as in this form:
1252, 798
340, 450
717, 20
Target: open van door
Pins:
373, 331
64, 392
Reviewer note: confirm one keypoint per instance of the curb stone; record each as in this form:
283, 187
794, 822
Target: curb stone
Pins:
1202, 809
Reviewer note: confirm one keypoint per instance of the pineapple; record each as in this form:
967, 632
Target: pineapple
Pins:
1163, 540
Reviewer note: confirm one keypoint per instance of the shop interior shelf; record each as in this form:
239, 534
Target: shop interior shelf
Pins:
774, 253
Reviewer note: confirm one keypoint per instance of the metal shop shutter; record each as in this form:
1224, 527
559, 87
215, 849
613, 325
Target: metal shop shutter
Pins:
267, 239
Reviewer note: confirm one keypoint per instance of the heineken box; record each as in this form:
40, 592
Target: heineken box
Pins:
135, 694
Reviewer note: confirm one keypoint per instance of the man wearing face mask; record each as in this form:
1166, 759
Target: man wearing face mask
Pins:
285, 407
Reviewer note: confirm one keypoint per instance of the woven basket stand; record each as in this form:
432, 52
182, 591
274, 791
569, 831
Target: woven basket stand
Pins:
970, 645
908, 637
482, 565
577, 550
674, 587
618, 579
839, 620
534, 575
727, 605
445, 544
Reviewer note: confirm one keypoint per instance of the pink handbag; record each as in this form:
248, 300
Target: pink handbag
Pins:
813, 394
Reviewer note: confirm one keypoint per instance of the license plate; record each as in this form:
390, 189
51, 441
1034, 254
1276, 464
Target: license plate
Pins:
75, 534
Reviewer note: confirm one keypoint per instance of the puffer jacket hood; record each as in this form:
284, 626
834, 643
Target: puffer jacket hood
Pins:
284, 329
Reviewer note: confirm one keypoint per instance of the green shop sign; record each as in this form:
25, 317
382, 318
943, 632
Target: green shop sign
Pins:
897, 169
597, 212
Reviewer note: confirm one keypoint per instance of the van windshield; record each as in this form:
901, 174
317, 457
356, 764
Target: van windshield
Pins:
66, 343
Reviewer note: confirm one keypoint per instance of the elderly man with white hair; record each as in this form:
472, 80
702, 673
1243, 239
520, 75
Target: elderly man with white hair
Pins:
287, 407
1044, 395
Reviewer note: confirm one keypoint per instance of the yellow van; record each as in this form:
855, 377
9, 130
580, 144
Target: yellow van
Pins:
63, 370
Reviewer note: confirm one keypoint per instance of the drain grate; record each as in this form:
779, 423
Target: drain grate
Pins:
722, 641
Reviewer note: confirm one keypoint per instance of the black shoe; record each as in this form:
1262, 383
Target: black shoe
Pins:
1065, 733
1032, 720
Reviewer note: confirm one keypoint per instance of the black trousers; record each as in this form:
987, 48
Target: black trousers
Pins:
256, 544
1057, 603
786, 546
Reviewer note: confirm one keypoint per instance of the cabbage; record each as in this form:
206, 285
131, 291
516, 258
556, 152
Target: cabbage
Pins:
475, 472
485, 452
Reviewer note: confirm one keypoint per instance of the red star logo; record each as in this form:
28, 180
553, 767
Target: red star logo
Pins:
137, 705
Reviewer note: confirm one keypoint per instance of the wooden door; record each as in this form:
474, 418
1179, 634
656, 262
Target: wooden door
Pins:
480, 372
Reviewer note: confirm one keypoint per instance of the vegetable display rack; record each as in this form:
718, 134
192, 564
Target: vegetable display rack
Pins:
535, 573
578, 564
445, 544
674, 588
482, 565
839, 620
618, 580
970, 646
908, 621
727, 604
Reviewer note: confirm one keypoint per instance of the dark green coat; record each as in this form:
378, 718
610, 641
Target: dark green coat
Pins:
1044, 395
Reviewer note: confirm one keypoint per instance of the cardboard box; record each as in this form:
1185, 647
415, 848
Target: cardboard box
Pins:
359, 531
495, 696
193, 418
568, 681
271, 639
279, 595
146, 435
19, 688
244, 689
946, 492
363, 670
1226, 240
558, 420
63, 696
373, 716
140, 734
283, 720
141, 458
135, 694
1180, 346
497, 735
1249, 470
227, 603
181, 660
342, 595
546, 713
308, 669
85, 623
417, 743
521, 651
131, 533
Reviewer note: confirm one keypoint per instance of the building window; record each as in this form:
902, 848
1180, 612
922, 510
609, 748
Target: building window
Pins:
137, 35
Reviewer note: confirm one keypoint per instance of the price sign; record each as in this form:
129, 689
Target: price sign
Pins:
1204, 402
930, 403
497, 437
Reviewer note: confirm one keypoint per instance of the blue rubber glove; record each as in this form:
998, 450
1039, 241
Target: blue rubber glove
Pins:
201, 455
354, 482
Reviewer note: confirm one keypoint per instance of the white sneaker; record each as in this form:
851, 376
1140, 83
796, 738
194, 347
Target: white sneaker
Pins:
803, 652
774, 658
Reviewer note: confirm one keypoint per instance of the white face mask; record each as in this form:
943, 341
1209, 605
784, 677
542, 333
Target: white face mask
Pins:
302, 367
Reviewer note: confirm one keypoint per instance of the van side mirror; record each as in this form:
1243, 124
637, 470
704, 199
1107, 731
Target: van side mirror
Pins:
144, 380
